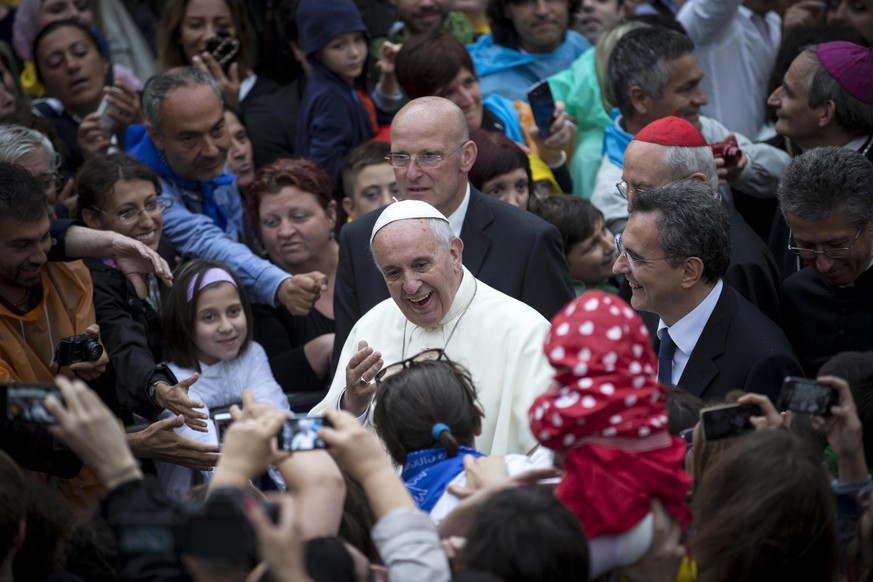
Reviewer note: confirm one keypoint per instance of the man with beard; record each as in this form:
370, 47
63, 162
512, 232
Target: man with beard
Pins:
40, 302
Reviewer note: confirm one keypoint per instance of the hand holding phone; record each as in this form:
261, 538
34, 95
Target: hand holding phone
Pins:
807, 396
728, 420
106, 110
542, 105
222, 422
224, 49
25, 402
301, 434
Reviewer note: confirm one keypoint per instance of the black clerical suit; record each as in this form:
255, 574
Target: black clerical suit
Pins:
822, 320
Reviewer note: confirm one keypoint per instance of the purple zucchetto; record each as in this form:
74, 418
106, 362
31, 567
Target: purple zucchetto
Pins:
851, 65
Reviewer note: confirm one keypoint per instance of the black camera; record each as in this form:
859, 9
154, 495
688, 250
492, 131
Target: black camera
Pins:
215, 530
78, 348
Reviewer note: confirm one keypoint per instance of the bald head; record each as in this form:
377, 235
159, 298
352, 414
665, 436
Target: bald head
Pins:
433, 108
433, 132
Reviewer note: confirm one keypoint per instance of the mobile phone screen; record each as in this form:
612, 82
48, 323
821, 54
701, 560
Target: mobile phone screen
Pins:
301, 434
24, 403
807, 396
727, 421
222, 422
542, 106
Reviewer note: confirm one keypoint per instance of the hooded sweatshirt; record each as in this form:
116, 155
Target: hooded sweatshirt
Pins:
333, 118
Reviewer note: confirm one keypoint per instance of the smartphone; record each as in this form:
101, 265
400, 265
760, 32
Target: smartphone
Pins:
301, 433
222, 420
806, 396
24, 402
105, 109
542, 105
223, 48
728, 420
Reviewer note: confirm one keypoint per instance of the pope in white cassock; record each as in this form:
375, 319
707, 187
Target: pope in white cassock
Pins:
437, 303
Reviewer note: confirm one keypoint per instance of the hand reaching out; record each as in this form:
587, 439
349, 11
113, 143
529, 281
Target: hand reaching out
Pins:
175, 399
161, 442
299, 293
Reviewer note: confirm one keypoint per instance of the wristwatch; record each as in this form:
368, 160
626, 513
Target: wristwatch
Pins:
163, 374
151, 389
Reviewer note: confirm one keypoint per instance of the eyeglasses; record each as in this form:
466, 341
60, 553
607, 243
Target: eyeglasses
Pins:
435, 354
808, 254
132, 216
50, 181
633, 261
622, 188
425, 161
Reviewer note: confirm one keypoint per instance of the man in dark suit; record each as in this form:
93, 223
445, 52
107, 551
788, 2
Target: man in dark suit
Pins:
826, 196
509, 249
671, 149
675, 252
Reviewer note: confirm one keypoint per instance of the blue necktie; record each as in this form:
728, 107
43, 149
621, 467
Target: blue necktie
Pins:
665, 358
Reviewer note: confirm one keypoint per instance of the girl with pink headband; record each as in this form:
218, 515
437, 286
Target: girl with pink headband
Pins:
207, 328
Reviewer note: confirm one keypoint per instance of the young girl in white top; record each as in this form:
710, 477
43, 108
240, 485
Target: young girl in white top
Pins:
207, 329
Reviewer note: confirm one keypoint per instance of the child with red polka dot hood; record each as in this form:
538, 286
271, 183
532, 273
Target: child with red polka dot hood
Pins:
605, 414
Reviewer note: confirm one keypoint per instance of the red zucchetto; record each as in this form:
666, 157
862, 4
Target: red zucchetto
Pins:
672, 131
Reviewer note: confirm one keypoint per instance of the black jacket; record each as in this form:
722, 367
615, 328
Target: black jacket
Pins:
130, 332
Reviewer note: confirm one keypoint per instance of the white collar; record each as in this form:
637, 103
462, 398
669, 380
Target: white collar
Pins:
456, 218
687, 330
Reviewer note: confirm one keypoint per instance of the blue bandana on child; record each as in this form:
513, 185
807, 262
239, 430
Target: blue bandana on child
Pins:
427, 473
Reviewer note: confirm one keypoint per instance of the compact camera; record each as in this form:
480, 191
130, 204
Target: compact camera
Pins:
727, 150
78, 348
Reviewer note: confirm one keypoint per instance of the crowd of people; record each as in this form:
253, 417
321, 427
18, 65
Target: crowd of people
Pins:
311, 290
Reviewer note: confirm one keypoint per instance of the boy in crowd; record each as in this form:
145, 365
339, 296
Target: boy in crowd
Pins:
368, 179
588, 244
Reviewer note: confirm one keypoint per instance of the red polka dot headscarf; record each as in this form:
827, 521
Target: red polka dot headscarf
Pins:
604, 375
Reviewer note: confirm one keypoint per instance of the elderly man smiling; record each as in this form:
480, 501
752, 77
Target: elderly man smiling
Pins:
438, 308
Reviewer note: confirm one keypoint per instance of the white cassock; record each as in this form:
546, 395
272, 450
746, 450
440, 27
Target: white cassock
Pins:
498, 339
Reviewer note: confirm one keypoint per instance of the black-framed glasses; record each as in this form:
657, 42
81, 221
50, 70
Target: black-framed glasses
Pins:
633, 261
431, 355
426, 160
132, 216
808, 254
